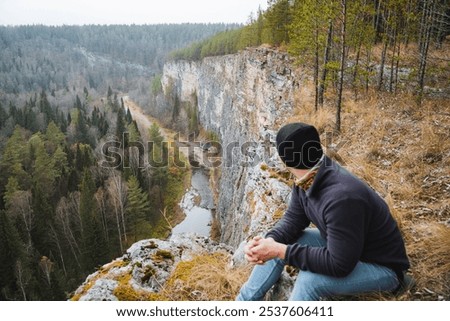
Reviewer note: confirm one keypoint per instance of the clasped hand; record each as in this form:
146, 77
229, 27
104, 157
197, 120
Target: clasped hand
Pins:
259, 250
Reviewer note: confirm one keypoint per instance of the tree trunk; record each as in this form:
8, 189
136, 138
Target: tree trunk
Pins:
368, 70
342, 65
20, 277
316, 68
326, 58
393, 58
56, 239
117, 179
383, 61
397, 63
423, 54
355, 70
377, 19
118, 226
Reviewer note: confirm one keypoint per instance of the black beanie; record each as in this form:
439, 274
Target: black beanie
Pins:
299, 146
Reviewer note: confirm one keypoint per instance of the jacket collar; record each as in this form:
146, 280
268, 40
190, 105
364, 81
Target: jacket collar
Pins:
320, 176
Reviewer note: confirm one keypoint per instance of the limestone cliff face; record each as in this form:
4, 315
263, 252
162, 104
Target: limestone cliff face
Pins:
244, 98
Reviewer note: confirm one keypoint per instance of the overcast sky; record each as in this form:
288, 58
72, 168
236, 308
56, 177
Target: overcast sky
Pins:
79, 12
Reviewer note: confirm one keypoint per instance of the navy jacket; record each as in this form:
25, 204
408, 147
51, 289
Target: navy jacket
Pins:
353, 219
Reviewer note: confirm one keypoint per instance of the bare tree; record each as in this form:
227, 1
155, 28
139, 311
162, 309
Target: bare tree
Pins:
55, 238
100, 198
22, 278
21, 206
64, 211
118, 193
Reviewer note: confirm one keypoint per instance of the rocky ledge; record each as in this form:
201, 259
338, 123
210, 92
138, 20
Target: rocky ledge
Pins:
142, 271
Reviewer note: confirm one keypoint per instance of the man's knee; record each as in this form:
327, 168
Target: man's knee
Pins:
309, 287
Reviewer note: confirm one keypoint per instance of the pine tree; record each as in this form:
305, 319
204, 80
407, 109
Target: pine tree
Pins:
44, 172
13, 159
342, 63
94, 246
11, 250
129, 116
45, 108
43, 217
137, 209
120, 124
278, 18
82, 135
109, 94
87, 212
3, 116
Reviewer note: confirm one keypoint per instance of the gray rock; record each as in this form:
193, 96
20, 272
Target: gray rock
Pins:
101, 291
148, 262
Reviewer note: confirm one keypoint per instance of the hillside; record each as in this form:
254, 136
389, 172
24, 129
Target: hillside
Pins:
398, 148
86, 176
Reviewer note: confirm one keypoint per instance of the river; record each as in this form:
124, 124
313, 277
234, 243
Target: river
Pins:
197, 204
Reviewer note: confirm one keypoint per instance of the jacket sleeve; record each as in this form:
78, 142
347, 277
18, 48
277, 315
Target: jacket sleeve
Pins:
345, 227
289, 228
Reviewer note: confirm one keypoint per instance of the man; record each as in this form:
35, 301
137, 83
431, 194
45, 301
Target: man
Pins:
356, 247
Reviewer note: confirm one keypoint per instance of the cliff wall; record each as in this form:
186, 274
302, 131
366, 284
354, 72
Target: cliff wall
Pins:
243, 98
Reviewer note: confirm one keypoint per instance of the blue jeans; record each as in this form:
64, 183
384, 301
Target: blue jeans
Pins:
365, 278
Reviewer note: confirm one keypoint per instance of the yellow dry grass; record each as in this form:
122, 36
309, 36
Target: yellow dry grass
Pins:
403, 151
205, 277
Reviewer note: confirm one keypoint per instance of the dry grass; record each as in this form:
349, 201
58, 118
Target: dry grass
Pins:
322, 119
205, 277
403, 152
431, 254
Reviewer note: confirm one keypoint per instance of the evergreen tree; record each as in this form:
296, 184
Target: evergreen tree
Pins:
43, 218
120, 124
137, 209
3, 116
278, 18
129, 116
109, 95
94, 247
45, 108
82, 135
11, 250
13, 158
44, 172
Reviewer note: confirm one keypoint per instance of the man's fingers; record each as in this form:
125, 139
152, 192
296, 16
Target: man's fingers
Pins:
255, 249
252, 259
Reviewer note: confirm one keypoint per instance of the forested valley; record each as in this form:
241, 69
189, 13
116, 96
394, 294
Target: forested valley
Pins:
62, 213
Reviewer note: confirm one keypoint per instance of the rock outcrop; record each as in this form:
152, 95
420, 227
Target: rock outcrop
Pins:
144, 269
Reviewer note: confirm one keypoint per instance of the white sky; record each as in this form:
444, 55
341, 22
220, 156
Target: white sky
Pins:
79, 12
